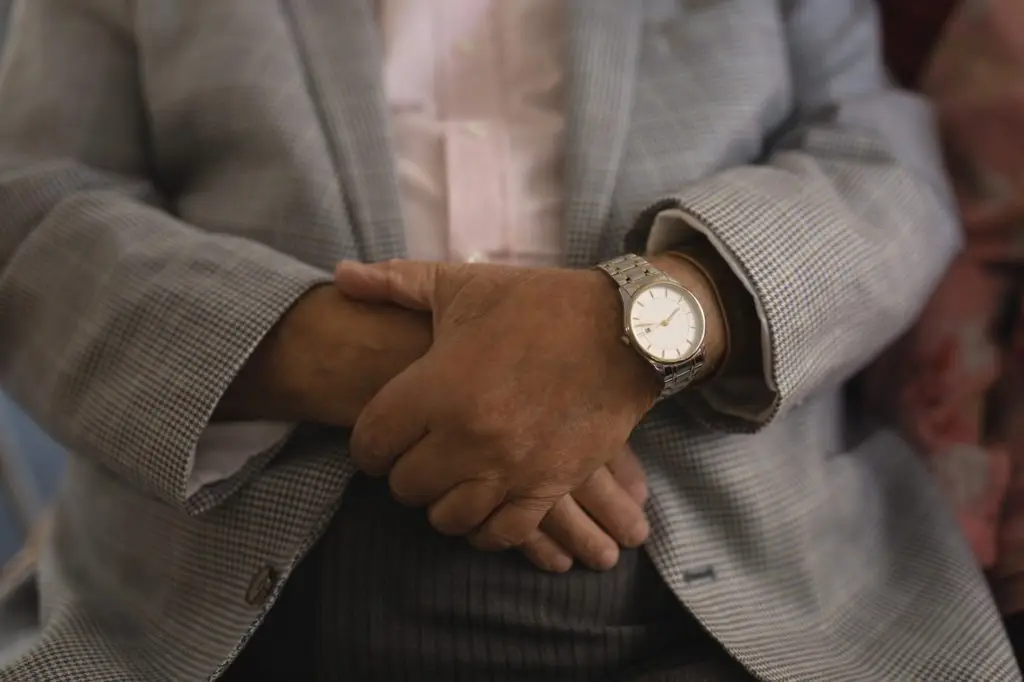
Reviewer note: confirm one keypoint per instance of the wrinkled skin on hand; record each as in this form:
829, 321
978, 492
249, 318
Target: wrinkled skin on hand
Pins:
591, 524
526, 392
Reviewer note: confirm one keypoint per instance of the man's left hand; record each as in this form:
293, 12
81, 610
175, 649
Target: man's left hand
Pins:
526, 391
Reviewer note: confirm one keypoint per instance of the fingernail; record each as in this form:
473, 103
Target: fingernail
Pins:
561, 563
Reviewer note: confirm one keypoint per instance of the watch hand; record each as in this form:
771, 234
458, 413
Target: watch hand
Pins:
664, 323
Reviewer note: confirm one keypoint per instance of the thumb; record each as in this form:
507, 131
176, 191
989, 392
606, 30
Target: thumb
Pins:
410, 284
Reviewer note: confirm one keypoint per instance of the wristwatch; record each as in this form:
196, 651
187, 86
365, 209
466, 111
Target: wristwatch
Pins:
662, 320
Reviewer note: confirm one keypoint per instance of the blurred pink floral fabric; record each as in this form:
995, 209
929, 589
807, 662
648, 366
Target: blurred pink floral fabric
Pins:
955, 383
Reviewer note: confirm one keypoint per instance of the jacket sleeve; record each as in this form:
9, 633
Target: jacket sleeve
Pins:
120, 325
842, 231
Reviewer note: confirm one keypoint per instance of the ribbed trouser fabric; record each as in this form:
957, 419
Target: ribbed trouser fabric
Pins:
384, 597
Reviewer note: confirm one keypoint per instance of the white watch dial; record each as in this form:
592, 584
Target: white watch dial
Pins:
666, 323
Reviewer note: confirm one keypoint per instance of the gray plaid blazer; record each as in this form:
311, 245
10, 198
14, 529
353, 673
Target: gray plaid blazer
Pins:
175, 173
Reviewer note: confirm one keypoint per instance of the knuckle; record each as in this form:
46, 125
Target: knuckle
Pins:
497, 540
488, 541
491, 434
486, 425
386, 268
557, 517
510, 539
392, 274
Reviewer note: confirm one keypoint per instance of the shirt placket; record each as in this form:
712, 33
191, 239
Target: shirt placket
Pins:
470, 112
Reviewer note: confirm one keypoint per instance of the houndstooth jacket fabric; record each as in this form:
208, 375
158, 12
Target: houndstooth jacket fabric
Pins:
175, 173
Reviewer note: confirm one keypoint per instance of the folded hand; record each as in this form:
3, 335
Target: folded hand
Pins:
526, 392
605, 513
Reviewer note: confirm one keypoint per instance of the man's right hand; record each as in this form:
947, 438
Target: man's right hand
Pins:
330, 355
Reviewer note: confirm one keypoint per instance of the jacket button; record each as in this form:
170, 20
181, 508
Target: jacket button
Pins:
261, 586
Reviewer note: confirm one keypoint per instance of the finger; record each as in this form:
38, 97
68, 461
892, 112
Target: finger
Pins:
627, 470
465, 507
392, 422
512, 524
546, 554
424, 474
571, 528
610, 506
409, 284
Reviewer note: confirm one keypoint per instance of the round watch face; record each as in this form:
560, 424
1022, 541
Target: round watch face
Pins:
666, 323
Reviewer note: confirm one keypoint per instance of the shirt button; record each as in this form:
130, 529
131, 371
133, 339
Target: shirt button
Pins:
261, 586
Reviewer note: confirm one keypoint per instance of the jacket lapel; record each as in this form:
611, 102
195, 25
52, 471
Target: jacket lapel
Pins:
602, 55
341, 46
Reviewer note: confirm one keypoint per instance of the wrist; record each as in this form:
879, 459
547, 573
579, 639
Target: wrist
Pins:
324, 360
